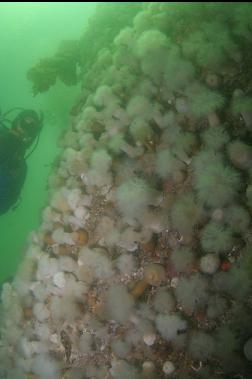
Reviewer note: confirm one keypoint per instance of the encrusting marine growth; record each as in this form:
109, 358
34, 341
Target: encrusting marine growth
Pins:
142, 265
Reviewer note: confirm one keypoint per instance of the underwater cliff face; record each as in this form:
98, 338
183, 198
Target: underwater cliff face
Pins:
141, 267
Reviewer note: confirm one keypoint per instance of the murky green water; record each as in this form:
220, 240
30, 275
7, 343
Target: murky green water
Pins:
30, 31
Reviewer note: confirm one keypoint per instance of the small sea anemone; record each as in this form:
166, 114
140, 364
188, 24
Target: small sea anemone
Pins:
96, 263
170, 325
151, 42
120, 348
126, 263
168, 166
115, 143
217, 185
142, 21
140, 130
178, 71
185, 214
216, 306
139, 106
120, 369
201, 345
163, 301
45, 366
119, 303
152, 48
192, 292
125, 37
215, 138
237, 218
101, 161
168, 368
182, 259
205, 157
240, 154
236, 282
216, 239
104, 96
133, 197
204, 101
209, 264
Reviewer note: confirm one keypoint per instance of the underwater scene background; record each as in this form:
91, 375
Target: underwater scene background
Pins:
128, 254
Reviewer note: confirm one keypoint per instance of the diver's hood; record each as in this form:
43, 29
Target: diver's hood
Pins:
30, 122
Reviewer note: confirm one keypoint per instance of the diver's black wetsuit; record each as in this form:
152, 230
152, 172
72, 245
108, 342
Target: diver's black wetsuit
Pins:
13, 169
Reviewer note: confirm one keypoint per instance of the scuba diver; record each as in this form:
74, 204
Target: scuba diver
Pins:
14, 143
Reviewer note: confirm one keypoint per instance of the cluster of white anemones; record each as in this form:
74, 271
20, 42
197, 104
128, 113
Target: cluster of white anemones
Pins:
141, 267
